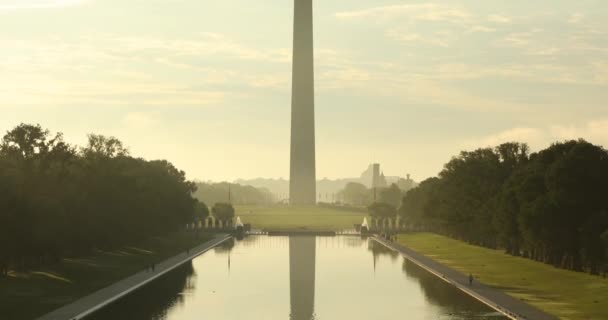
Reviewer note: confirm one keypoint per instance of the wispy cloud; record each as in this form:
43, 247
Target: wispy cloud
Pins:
519, 39
13, 5
104, 69
41, 91
207, 44
423, 12
497, 18
437, 39
429, 24
480, 28
595, 131
535, 137
142, 120
576, 18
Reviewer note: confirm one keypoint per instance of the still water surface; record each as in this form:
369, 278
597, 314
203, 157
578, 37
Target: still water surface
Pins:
298, 278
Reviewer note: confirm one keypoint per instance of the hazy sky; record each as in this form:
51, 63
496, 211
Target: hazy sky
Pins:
206, 83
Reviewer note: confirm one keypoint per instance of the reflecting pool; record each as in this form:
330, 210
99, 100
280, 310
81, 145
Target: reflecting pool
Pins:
298, 278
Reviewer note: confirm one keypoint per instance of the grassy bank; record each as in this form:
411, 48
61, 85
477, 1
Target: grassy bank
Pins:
566, 294
290, 218
27, 295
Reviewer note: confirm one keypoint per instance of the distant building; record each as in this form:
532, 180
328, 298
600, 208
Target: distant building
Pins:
329, 188
367, 177
407, 183
376, 175
381, 183
373, 177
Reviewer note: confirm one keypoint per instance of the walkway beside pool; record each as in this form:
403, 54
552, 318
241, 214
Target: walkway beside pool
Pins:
97, 300
496, 299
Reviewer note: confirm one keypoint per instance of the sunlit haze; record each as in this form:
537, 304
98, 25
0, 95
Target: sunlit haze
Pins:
207, 84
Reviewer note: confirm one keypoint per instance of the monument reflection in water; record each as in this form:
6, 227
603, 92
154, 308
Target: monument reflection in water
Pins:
302, 253
298, 278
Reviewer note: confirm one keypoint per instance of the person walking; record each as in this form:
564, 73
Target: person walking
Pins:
470, 279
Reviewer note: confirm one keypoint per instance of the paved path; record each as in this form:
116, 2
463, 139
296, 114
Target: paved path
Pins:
498, 300
97, 300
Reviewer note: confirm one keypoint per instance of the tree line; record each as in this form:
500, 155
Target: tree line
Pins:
550, 206
236, 194
357, 194
58, 199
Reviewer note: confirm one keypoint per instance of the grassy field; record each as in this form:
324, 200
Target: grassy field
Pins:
27, 295
291, 218
566, 294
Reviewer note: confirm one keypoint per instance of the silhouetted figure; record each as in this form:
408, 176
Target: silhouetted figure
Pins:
470, 279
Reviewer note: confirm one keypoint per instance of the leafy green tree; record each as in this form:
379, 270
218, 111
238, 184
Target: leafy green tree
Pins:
549, 206
382, 210
355, 194
102, 146
202, 211
223, 211
414, 209
391, 195
604, 240
55, 201
237, 194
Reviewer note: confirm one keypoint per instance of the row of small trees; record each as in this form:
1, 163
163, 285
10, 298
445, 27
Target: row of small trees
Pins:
550, 206
237, 194
357, 194
221, 211
57, 199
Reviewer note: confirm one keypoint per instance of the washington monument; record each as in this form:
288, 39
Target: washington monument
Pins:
302, 188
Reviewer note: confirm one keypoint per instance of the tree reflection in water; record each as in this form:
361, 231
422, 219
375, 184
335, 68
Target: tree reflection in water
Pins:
225, 247
379, 249
287, 289
154, 299
448, 297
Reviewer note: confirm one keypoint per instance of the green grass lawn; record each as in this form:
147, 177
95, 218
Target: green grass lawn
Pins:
291, 218
566, 294
27, 295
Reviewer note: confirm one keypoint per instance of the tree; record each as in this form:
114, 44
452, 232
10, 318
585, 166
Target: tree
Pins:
604, 239
391, 195
382, 210
103, 146
355, 194
239, 194
414, 205
202, 211
27, 141
549, 206
513, 160
223, 211
55, 201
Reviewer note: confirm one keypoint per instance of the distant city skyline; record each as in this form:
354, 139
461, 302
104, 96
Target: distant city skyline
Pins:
206, 84
330, 187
